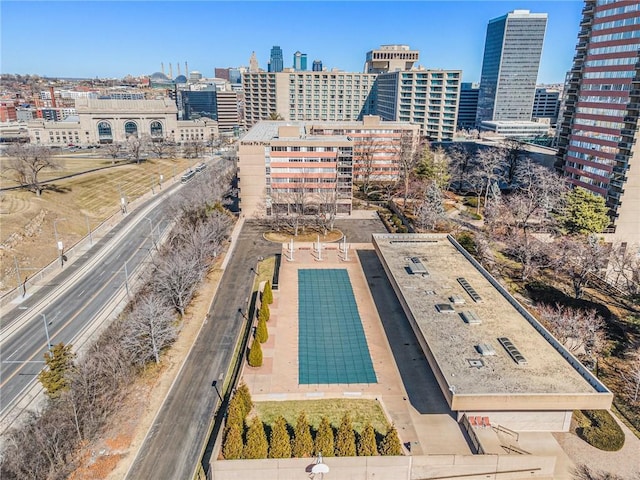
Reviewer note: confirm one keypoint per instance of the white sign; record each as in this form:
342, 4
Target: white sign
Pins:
60, 246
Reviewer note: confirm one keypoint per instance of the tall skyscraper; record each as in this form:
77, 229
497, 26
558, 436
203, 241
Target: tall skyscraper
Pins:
598, 139
253, 63
317, 66
299, 61
468, 106
510, 66
276, 60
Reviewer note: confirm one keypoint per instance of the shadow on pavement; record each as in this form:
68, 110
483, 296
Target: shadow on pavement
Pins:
419, 381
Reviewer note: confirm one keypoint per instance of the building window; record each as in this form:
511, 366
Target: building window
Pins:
104, 131
156, 129
130, 128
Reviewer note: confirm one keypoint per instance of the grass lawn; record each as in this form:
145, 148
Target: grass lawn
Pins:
361, 412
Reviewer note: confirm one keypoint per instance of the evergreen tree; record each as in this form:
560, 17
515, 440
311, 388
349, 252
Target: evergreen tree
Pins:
232, 446
585, 212
267, 294
264, 312
256, 446
324, 439
255, 354
346, 438
236, 412
390, 444
367, 442
59, 362
280, 442
243, 392
302, 442
262, 334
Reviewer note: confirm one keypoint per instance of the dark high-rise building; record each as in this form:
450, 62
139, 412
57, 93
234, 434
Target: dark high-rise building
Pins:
317, 66
196, 104
468, 105
512, 51
276, 60
299, 61
598, 145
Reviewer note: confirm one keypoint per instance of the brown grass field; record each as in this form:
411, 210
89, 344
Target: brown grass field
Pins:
26, 221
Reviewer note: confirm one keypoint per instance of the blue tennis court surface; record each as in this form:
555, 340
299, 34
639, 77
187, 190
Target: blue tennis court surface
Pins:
332, 347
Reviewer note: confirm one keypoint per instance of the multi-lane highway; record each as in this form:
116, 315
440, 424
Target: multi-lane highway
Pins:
73, 300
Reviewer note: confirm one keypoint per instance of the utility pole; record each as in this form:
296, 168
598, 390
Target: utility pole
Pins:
46, 331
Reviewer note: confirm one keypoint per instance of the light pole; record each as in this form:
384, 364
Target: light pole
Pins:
89, 229
153, 240
126, 279
58, 241
215, 385
46, 330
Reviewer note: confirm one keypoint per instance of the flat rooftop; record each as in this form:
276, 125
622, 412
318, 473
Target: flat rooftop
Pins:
429, 275
267, 131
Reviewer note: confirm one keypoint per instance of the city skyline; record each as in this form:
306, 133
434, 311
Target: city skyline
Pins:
449, 35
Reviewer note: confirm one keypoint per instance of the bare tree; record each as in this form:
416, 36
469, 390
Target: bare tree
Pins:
365, 151
113, 150
407, 159
205, 237
512, 151
486, 171
581, 257
532, 254
461, 163
176, 276
624, 268
579, 330
194, 148
135, 147
27, 162
151, 328
162, 147
327, 209
631, 378
583, 472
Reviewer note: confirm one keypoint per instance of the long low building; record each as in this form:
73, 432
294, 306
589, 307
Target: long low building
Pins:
488, 354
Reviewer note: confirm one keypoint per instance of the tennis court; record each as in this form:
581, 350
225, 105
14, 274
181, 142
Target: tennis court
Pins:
332, 347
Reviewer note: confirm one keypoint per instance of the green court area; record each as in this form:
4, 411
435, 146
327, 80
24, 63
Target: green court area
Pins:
332, 347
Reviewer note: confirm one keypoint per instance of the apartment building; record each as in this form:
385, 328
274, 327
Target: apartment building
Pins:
283, 168
598, 145
428, 98
330, 96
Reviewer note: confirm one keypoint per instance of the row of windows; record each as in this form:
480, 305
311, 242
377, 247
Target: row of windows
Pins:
617, 23
302, 149
591, 158
588, 181
606, 87
616, 36
597, 135
618, 10
302, 180
305, 160
603, 99
602, 111
593, 146
615, 49
623, 74
599, 123
585, 168
301, 170
611, 61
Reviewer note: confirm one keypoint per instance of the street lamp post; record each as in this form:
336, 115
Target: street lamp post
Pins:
46, 330
59, 242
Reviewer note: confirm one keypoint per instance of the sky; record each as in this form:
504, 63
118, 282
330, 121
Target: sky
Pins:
87, 38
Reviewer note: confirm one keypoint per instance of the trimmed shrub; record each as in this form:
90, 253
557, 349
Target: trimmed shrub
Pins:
267, 294
346, 438
245, 396
390, 444
324, 443
232, 446
262, 334
367, 442
280, 442
256, 446
602, 431
467, 242
255, 354
302, 442
264, 312
236, 413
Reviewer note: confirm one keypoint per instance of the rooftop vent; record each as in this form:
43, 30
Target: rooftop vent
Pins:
513, 351
456, 300
416, 266
475, 362
470, 317
485, 349
444, 308
469, 289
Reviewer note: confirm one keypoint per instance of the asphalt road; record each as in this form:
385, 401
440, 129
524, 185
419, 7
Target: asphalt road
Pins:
68, 314
173, 445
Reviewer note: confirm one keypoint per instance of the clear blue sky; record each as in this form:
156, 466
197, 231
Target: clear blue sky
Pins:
113, 39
